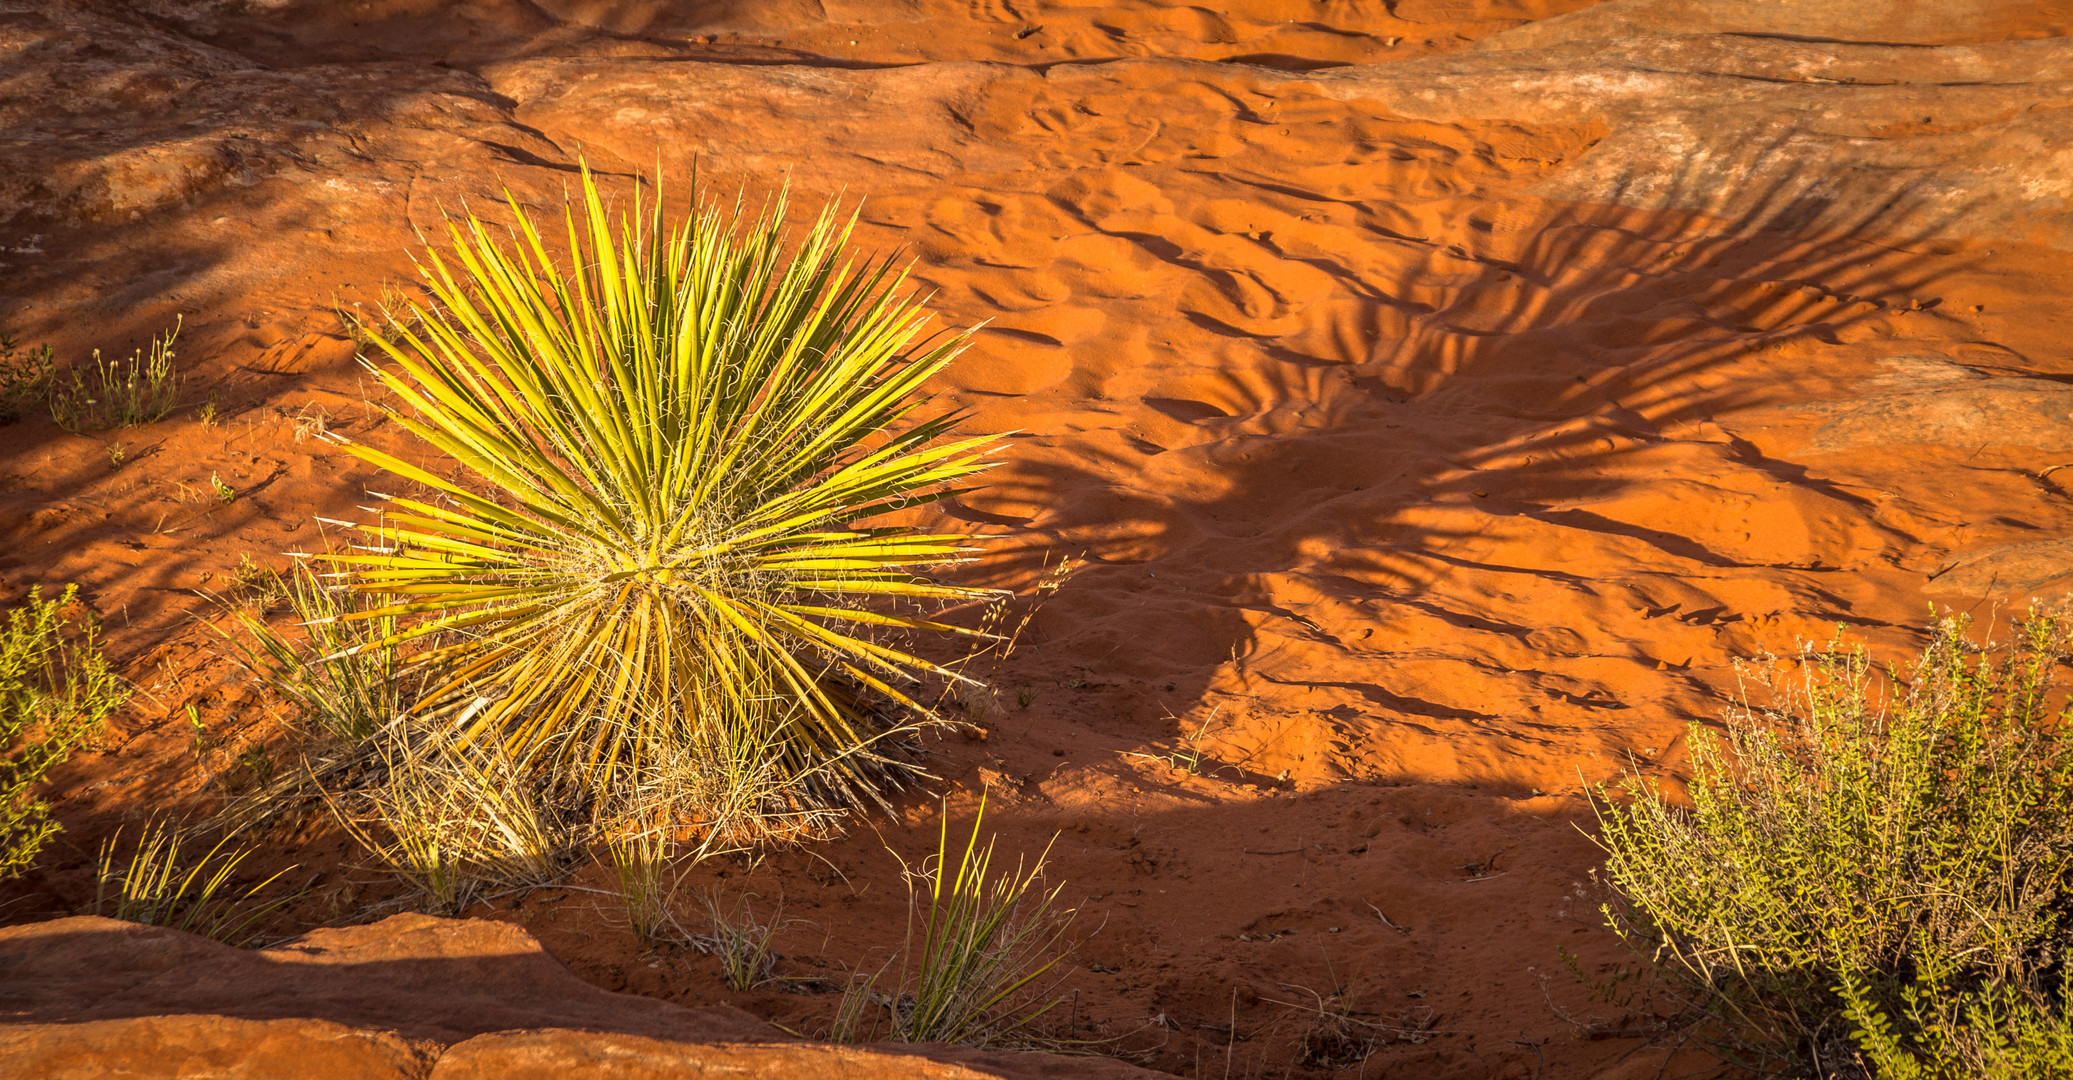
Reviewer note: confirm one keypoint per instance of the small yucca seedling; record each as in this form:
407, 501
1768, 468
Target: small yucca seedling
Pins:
158, 889
680, 460
985, 942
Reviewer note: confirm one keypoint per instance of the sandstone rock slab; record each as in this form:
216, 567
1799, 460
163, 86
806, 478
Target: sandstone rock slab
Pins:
411, 996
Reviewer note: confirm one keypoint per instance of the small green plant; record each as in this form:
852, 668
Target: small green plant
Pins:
23, 378
258, 762
159, 889
2005, 1033
206, 411
200, 729
741, 943
116, 453
116, 395
224, 492
247, 572
257, 586
56, 691
984, 943
1856, 853
1187, 759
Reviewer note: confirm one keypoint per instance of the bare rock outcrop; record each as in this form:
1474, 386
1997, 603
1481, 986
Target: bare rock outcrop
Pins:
409, 997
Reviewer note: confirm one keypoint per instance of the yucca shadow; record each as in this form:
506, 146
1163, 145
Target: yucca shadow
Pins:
1352, 532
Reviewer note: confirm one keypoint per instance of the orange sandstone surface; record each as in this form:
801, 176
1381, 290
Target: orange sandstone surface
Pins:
1427, 402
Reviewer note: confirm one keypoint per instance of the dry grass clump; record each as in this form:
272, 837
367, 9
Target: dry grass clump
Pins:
641, 857
56, 691
741, 941
1335, 1032
641, 860
452, 818
1871, 876
339, 672
455, 820
460, 820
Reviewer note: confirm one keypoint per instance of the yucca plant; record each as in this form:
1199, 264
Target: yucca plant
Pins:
680, 457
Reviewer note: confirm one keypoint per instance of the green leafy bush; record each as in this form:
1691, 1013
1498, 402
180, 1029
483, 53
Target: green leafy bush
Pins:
159, 888
671, 541
1861, 848
23, 377
56, 690
2001, 1033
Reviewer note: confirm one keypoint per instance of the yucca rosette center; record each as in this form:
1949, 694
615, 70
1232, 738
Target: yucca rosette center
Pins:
677, 464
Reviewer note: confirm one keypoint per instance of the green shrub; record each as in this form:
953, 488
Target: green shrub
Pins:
672, 533
2002, 1033
23, 378
118, 394
1861, 847
56, 690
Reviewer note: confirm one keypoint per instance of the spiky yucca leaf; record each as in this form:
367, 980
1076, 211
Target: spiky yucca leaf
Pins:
676, 452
